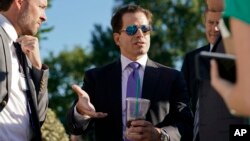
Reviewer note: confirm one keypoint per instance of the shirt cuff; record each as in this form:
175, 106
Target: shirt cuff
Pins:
172, 132
164, 135
81, 119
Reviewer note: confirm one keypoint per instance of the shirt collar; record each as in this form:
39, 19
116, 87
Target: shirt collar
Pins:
142, 61
211, 47
8, 28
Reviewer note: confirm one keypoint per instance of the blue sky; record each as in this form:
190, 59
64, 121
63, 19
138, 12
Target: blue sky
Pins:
73, 23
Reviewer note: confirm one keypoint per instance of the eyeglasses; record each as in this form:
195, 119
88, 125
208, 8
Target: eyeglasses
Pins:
132, 29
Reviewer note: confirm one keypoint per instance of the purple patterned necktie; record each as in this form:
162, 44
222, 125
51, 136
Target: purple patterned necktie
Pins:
133, 84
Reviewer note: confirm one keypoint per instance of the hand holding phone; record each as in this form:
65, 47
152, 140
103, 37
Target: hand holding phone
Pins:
226, 65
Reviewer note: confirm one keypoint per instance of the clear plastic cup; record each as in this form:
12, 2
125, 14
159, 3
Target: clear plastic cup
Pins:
136, 109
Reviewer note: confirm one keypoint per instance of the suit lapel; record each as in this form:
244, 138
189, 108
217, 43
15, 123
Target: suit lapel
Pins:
114, 87
7, 57
150, 79
27, 67
206, 48
114, 94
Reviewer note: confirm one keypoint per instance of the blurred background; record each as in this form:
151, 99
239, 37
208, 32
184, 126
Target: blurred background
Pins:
78, 36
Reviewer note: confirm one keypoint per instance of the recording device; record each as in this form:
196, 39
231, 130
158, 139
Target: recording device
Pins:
225, 62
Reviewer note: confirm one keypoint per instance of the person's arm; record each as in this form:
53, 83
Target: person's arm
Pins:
40, 80
75, 124
186, 71
236, 96
181, 116
80, 114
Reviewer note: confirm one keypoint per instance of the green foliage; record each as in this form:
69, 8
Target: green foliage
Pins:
104, 48
52, 129
65, 69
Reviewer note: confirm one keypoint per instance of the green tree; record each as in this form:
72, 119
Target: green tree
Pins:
103, 47
65, 69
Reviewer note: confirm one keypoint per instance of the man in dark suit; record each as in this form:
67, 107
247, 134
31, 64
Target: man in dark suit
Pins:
212, 119
188, 67
169, 116
23, 78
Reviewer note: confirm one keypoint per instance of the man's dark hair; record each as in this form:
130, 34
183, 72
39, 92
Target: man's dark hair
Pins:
5, 4
116, 21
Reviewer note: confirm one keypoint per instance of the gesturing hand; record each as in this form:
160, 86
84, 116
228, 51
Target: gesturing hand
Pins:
84, 106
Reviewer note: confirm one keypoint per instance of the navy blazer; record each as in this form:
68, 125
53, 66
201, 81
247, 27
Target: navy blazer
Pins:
165, 87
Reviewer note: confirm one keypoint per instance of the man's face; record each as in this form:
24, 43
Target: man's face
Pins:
211, 25
32, 14
133, 46
215, 5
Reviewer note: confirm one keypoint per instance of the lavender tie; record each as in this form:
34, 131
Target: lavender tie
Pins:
133, 84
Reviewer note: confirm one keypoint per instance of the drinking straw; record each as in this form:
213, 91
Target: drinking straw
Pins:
137, 96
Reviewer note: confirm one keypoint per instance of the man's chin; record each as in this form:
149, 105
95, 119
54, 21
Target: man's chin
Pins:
31, 32
213, 40
141, 52
34, 32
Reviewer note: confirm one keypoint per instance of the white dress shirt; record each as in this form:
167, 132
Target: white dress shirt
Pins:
211, 47
14, 118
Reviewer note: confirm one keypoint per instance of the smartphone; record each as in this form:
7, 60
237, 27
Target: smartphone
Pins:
225, 62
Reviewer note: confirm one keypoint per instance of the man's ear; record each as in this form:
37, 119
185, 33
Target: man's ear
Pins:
116, 37
18, 3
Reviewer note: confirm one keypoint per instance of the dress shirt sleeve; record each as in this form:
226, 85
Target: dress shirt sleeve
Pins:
81, 119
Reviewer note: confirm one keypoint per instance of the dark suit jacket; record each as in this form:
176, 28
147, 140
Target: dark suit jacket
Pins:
214, 117
164, 87
37, 80
189, 72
